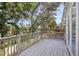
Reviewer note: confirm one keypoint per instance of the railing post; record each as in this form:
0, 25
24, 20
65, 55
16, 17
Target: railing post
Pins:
18, 44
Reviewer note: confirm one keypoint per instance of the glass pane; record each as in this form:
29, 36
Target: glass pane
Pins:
78, 25
73, 30
68, 32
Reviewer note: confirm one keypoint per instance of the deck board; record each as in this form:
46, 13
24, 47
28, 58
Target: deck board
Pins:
47, 47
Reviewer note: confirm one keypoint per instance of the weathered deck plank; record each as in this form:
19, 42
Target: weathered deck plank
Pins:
47, 47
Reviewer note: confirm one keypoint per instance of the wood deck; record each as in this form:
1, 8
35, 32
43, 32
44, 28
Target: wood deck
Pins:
47, 47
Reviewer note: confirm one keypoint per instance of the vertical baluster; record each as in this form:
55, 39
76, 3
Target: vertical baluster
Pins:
40, 35
21, 45
4, 48
19, 49
36, 36
2, 44
11, 42
33, 40
7, 48
13, 45
29, 39
16, 45
31, 36
1, 49
25, 41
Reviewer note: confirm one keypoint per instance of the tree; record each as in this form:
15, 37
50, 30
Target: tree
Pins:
11, 12
52, 24
48, 10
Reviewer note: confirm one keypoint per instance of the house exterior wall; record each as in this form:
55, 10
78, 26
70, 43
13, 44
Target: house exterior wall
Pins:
70, 21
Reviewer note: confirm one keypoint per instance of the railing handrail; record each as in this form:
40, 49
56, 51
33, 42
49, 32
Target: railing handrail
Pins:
59, 32
15, 36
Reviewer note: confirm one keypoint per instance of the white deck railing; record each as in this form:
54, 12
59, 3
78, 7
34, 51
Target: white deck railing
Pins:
13, 45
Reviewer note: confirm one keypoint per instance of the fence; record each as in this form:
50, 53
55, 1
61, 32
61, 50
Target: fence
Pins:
13, 45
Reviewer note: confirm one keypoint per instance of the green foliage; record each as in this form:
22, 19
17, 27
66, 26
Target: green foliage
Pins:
4, 29
11, 12
41, 19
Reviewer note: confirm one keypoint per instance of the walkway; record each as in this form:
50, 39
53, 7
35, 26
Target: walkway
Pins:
47, 47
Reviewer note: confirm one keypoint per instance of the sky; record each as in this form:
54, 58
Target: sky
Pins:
59, 13
24, 22
58, 16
